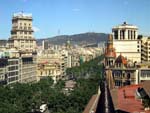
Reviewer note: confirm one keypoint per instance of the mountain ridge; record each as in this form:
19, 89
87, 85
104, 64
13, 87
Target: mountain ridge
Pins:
89, 37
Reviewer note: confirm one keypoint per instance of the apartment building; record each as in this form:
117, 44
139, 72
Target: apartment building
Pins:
28, 69
22, 33
13, 70
145, 51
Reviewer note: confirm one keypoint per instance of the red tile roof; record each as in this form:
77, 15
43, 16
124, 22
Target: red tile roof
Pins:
127, 101
110, 53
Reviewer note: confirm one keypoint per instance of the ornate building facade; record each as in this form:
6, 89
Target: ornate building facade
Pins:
22, 33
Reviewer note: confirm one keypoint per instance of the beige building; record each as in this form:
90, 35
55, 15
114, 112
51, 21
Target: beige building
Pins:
10, 66
23, 41
13, 70
126, 42
144, 71
49, 69
145, 49
51, 64
28, 69
22, 33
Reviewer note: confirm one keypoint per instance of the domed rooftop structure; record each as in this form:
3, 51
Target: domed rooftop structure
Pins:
121, 60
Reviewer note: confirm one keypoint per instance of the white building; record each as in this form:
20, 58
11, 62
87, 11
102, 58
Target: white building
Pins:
126, 42
45, 44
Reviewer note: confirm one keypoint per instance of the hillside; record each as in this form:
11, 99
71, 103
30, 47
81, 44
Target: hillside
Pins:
76, 39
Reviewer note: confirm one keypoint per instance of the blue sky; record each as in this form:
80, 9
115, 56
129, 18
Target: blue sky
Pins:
53, 17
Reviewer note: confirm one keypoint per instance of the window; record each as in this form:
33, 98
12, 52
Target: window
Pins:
25, 32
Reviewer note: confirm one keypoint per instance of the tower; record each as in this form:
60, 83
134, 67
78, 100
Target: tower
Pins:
45, 44
110, 54
126, 42
22, 39
22, 33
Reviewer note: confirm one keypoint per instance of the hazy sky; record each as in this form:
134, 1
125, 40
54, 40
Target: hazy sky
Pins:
53, 17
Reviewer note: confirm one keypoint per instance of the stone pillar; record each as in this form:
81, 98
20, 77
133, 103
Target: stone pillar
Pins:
132, 34
126, 34
118, 34
113, 33
136, 34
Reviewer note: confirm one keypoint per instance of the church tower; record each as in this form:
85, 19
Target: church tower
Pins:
110, 54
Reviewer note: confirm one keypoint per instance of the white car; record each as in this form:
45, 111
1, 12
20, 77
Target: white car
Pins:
43, 108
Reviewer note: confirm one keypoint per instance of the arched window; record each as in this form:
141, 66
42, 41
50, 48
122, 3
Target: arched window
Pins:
128, 76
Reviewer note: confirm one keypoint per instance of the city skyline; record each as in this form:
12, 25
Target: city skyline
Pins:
55, 17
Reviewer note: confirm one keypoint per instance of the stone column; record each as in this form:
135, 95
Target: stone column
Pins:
133, 35
133, 32
136, 34
118, 34
113, 33
129, 34
126, 34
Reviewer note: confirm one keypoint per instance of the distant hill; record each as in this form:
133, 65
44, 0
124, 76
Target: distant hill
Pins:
83, 38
